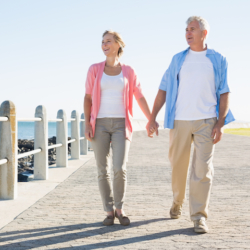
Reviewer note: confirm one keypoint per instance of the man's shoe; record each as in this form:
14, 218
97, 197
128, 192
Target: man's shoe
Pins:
175, 211
109, 220
200, 226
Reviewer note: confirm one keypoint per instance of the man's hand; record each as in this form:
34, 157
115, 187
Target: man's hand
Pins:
152, 127
217, 132
218, 127
88, 131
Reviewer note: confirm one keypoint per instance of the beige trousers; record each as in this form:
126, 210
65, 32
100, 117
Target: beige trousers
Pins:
181, 138
111, 131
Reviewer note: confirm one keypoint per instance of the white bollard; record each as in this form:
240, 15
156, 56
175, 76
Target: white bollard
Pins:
62, 137
75, 146
84, 142
8, 150
41, 168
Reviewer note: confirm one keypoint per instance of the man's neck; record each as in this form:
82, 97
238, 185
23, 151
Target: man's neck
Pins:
199, 47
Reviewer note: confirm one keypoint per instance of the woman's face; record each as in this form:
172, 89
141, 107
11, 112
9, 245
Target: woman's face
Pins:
109, 46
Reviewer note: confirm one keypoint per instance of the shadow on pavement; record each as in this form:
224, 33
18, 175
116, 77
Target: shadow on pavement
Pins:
138, 239
49, 236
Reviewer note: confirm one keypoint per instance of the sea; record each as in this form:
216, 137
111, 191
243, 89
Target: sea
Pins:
26, 130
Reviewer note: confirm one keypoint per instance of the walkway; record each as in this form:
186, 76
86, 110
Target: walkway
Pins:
70, 216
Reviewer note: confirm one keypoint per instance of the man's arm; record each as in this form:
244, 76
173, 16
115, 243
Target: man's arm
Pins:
223, 110
152, 125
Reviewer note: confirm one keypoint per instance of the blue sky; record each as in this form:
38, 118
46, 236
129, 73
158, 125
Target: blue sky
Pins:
46, 47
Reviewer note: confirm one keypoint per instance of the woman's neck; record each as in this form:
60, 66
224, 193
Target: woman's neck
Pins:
112, 62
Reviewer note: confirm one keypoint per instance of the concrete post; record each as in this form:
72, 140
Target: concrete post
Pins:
41, 168
84, 142
75, 146
8, 149
62, 137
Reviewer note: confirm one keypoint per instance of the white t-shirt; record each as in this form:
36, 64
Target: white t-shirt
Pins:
196, 97
112, 96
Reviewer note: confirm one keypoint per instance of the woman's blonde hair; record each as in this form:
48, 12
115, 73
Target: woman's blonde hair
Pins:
118, 39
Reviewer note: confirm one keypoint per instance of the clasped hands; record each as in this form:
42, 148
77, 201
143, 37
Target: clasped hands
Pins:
152, 127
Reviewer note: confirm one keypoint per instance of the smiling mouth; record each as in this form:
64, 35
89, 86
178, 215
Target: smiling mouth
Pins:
106, 50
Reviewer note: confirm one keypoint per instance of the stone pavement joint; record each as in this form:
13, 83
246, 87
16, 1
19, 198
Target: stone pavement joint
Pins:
70, 216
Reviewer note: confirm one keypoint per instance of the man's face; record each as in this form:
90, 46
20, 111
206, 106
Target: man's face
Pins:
194, 34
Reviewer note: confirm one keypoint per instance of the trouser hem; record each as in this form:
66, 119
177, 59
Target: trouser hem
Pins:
118, 207
198, 217
109, 210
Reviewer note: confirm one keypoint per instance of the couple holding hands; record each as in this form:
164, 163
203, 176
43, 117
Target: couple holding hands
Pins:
196, 93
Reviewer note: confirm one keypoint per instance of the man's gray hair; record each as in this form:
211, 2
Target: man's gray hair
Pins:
202, 22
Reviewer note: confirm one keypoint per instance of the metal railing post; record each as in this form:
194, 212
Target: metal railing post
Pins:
62, 137
84, 142
75, 146
8, 150
41, 168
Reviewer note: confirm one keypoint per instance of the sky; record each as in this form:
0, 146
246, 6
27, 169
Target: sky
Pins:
46, 47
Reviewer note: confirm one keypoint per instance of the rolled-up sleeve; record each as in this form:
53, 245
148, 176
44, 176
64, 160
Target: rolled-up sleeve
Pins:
90, 81
137, 91
224, 88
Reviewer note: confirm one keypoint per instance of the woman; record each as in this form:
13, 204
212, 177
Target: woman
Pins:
108, 109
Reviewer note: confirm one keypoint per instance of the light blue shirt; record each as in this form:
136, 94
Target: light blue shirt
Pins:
170, 83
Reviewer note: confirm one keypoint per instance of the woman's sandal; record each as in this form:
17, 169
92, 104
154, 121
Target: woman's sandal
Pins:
109, 220
124, 220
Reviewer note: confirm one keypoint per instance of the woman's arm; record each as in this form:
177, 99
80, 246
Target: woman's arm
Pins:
159, 102
144, 106
87, 111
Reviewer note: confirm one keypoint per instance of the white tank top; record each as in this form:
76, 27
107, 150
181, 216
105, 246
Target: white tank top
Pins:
112, 96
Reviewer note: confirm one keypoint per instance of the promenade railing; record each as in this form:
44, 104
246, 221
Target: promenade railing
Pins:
9, 137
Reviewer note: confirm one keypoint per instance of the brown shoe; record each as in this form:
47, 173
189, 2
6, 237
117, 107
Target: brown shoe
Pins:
109, 220
124, 220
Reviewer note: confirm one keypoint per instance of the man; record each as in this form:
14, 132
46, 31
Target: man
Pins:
196, 93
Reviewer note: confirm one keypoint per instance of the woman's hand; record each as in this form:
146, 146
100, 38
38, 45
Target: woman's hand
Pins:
88, 132
152, 127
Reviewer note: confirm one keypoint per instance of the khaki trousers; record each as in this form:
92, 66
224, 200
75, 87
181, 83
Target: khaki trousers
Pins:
111, 131
181, 138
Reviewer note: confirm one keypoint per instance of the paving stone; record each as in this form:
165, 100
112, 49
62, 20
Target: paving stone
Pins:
70, 216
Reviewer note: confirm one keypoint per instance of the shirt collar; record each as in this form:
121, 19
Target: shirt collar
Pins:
209, 50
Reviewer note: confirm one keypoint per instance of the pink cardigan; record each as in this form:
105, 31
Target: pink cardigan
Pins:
132, 87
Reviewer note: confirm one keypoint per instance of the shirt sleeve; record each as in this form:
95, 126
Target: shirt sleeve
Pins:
166, 79
90, 81
137, 91
224, 88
